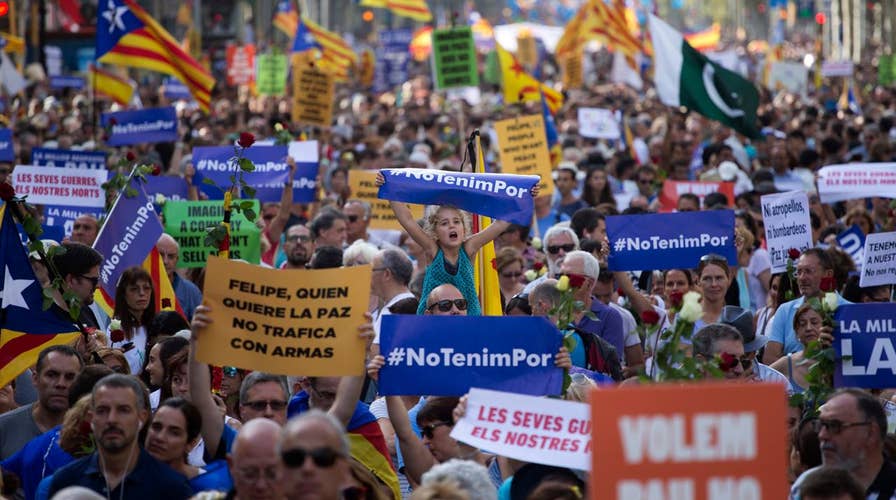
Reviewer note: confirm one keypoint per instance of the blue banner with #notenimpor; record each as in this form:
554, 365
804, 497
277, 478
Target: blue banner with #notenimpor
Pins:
669, 241
447, 355
141, 126
864, 341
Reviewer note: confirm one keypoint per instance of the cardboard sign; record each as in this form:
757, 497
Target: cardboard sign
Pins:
240, 64
186, 222
856, 180
61, 186
68, 158
270, 75
787, 225
312, 95
527, 428
363, 187
866, 354
289, 322
879, 260
454, 58
673, 189
573, 73
669, 241
690, 441
598, 123
523, 149
526, 49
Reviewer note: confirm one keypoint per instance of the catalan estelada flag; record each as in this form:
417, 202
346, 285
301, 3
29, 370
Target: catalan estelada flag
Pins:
285, 18
337, 56
25, 328
521, 86
127, 36
111, 85
414, 9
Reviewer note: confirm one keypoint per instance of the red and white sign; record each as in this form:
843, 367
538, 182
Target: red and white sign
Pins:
72, 187
856, 180
527, 428
673, 189
240, 64
707, 441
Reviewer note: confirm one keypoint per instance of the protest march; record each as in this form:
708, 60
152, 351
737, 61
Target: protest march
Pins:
428, 249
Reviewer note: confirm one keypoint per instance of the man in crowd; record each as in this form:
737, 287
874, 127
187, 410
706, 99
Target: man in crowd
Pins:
85, 230
608, 324
558, 241
566, 183
56, 369
605, 293
297, 247
328, 228
188, 294
446, 300
254, 461
391, 270
717, 339
79, 267
120, 468
315, 455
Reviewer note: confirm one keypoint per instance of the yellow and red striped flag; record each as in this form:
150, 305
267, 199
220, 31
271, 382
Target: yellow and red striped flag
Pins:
111, 85
414, 9
127, 35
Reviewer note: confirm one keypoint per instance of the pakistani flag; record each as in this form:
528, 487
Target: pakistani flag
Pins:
685, 77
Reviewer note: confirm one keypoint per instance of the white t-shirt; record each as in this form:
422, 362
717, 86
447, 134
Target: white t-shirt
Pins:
379, 313
629, 325
137, 355
759, 262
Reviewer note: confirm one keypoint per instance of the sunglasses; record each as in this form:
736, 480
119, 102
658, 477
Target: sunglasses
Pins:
745, 363
297, 237
94, 280
261, 405
445, 305
353, 218
322, 457
834, 426
569, 247
514, 275
713, 257
427, 430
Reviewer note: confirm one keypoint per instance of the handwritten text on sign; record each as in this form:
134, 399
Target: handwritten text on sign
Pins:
363, 187
60, 186
312, 95
528, 428
879, 260
663, 442
787, 225
523, 148
263, 320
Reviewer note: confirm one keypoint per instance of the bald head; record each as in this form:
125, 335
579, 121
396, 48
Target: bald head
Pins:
169, 250
254, 460
443, 300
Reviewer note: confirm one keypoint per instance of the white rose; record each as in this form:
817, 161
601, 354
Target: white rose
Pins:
690, 312
160, 199
691, 297
531, 275
830, 301
536, 243
115, 324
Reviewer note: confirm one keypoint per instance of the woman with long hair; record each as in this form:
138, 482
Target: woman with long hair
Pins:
597, 188
135, 309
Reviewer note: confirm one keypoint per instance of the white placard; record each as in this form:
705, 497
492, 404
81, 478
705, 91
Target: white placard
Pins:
879, 262
304, 151
598, 123
856, 180
73, 187
790, 76
787, 225
836, 68
527, 428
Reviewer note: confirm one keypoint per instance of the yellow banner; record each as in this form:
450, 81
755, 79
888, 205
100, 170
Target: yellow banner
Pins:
571, 66
302, 322
312, 94
523, 149
363, 186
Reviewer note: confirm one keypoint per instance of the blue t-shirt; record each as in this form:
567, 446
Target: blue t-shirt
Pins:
782, 324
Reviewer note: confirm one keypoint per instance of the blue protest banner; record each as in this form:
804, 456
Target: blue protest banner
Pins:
669, 241
852, 241
217, 163
501, 196
127, 236
58, 215
141, 126
6, 150
175, 90
866, 356
171, 187
392, 57
446, 356
67, 158
64, 82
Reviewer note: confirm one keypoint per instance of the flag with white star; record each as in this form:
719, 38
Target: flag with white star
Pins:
25, 327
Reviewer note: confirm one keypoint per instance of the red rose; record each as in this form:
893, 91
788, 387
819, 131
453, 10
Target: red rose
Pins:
113, 121
131, 156
246, 140
116, 335
727, 361
7, 192
84, 428
156, 170
827, 284
675, 299
793, 254
537, 266
576, 280
650, 317
495, 264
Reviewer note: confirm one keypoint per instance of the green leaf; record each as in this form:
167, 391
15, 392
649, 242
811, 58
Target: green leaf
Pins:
250, 191
246, 204
130, 192
47, 303
246, 165
250, 214
32, 227
35, 246
209, 181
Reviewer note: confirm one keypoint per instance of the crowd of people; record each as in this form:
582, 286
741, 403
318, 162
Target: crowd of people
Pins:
128, 411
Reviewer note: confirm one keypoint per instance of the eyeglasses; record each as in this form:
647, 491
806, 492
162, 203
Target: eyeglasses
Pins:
745, 362
427, 430
322, 457
569, 247
261, 405
268, 216
353, 218
445, 305
94, 280
298, 237
835, 426
4, 171
514, 275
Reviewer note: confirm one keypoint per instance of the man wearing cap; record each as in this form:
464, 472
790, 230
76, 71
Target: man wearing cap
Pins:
742, 320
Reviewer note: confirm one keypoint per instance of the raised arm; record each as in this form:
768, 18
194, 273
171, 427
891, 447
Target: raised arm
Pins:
480, 239
407, 221
201, 386
349, 391
275, 229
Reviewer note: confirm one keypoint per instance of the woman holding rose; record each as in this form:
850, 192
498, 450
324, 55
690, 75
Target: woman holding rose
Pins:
134, 310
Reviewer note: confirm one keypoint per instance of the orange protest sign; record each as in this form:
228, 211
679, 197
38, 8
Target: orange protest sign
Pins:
708, 441
240, 64
673, 189
362, 184
289, 322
